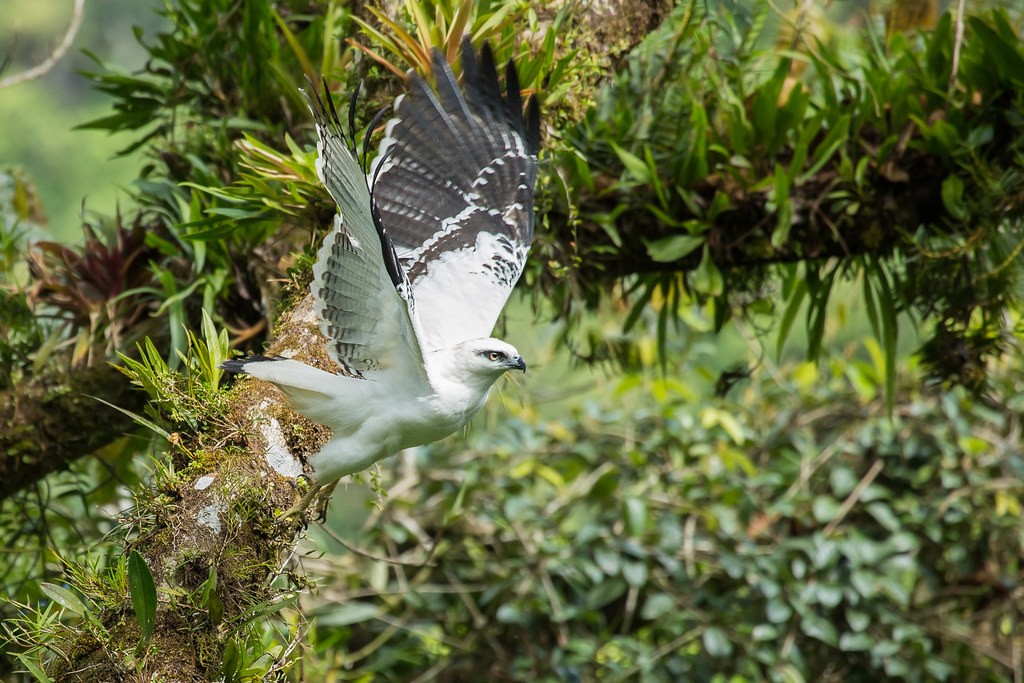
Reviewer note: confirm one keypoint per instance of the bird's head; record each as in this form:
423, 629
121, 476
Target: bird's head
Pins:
472, 366
491, 357
479, 363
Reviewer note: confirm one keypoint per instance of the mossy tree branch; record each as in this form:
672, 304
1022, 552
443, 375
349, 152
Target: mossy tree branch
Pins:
51, 420
213, 512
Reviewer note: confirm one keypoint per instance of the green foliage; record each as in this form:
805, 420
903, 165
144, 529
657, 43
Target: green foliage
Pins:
187, 401
794, 531
273, 185
189, 111
68, 514
846, 526
74, 607
863, 160
21, 334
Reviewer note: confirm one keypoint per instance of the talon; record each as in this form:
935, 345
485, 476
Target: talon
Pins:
300, 508
324, 501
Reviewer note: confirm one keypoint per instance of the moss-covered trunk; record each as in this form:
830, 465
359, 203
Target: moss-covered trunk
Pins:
213, 513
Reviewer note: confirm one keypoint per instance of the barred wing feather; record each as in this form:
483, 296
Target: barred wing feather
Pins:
454, 186
363, 298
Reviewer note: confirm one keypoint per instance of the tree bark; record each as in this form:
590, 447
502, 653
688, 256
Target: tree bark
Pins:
51, 420
215, 513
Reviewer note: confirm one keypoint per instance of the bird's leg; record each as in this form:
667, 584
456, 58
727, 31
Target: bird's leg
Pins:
323, 500
321, 493
299, 509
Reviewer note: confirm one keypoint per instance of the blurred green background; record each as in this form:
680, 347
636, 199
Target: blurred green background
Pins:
73, 169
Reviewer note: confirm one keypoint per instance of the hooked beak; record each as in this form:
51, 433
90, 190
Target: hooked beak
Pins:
518, 364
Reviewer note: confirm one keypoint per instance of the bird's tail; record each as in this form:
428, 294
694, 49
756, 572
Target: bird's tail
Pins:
281, 371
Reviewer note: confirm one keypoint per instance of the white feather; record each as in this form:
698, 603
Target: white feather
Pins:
455, 199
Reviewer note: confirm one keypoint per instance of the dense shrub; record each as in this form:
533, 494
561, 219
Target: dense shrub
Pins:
793, 531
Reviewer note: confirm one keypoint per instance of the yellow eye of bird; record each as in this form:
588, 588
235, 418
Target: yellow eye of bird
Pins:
494, 356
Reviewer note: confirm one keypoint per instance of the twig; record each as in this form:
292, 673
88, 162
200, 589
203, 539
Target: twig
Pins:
657, 654
368, 555
431, 673
957, 42
557, 611
854, 496
393, 626
808, 468
58, 52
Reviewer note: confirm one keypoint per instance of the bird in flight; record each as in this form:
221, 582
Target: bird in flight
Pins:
425, 249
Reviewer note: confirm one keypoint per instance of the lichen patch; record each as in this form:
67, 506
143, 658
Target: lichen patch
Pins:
209, 517
278, 454
203, 482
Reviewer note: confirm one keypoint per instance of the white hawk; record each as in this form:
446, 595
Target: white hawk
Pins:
422, 257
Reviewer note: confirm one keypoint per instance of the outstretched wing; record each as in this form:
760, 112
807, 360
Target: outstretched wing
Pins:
454, 186
361, 293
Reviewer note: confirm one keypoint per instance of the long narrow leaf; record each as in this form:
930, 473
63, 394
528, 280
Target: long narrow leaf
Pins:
796, 298
33, 668
143, 591
153, 427
890, 332
64, 597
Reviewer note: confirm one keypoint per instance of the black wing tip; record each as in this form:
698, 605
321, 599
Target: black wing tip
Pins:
533, 125
238, 364
325, 114
483, 88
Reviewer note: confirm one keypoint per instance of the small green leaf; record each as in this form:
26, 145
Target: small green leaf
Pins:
673, 248
214, 608
636, 516
603, 593
857, 619
143, 591
455, 511
707, 278
890, 332
216, 351
819, 628
884, 515
838, 135
1004, 55
953, 197
843, 480
636, 166
764, 632
138, 419
855, 642
635, 574
783, 206
824, 509
870, 306
716, 643
795, 299
777, 611
349, 613
231, 662
510, 613
657, 606
609, 561
64, 597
